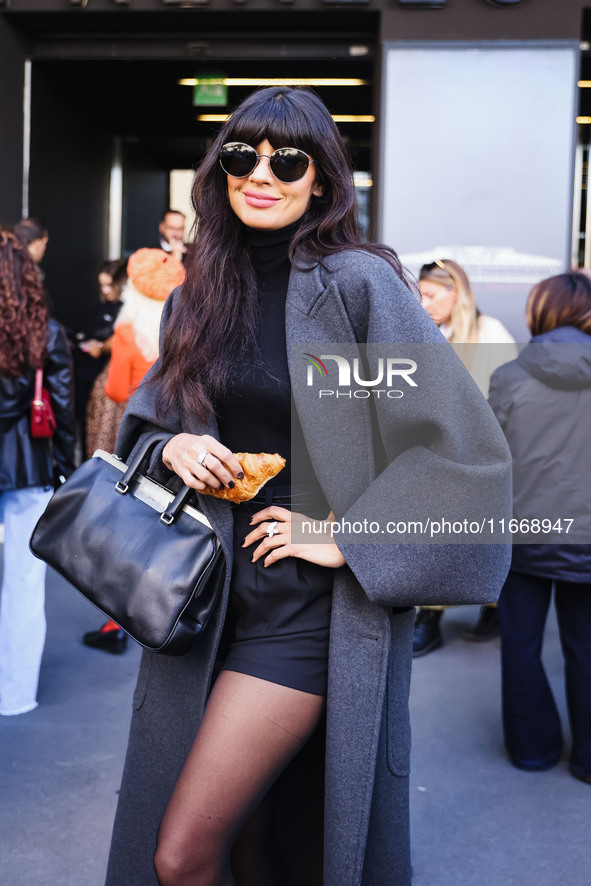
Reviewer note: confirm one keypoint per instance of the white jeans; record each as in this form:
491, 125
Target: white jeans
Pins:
22, 601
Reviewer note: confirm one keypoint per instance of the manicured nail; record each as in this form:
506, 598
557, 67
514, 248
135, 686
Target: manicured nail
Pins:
241, 475
231, 484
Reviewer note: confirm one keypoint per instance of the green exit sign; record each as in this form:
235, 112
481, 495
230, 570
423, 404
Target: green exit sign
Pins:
210, 91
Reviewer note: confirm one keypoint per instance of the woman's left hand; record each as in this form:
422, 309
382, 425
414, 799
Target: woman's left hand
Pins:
273, 528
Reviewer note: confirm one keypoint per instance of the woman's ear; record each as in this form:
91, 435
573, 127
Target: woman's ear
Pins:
317, 189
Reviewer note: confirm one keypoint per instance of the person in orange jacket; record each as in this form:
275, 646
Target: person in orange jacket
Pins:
151, 275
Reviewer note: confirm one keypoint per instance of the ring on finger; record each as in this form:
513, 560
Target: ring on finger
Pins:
201, 458
272, 529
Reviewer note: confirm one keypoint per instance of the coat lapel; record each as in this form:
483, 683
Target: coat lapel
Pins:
316, 320
336, 431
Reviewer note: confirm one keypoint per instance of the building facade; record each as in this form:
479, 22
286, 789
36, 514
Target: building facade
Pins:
462, 123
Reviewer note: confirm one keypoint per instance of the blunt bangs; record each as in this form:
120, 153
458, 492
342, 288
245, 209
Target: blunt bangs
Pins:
285, 118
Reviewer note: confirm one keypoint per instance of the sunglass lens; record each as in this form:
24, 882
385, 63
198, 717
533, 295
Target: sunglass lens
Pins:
289, 164
238, 159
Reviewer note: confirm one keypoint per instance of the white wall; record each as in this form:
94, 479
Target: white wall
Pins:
477, 161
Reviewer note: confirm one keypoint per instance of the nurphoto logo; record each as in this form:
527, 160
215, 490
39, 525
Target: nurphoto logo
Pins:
388, 372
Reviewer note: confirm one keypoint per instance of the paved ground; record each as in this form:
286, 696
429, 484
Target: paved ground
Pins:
476, 821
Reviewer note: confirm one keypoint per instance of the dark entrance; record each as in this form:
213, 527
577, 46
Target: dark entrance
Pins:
105, 94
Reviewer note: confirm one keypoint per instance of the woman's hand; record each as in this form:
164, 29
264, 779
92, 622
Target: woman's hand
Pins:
273, 528
201, 461
93, 347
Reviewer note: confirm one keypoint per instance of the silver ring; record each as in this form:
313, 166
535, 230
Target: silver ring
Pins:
272, 529
201, 458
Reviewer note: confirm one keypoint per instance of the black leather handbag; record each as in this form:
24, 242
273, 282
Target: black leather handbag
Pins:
140, 553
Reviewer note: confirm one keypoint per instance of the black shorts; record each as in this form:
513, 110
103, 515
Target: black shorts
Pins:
278, 619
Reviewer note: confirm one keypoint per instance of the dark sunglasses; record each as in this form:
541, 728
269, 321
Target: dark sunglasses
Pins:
430, 266
287, 164
439, 264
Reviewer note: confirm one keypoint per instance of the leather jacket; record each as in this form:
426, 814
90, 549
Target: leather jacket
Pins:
25, 461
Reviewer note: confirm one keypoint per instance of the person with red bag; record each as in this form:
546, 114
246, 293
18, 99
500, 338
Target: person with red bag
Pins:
29, 340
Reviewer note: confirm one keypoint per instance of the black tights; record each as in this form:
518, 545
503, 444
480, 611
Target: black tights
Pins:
250, 731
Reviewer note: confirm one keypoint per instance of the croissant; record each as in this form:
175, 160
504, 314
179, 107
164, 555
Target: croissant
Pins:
258, 468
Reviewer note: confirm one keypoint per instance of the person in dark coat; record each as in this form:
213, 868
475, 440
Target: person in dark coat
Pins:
171, 233
543, 403
28, 466
91, 355
305, 625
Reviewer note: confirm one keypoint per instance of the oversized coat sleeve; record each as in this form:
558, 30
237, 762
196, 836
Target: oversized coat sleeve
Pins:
436, 454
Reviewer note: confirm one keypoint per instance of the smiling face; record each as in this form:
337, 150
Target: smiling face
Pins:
438, 300
262, 201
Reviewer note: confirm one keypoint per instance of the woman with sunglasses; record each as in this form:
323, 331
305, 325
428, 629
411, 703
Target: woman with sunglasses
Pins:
279, 262
447, 296
483, 344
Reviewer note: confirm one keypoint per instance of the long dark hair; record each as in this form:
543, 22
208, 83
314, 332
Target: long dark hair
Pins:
116, 268
23, 312
217, 313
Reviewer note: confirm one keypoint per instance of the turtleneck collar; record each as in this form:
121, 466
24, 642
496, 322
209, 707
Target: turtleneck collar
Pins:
269, 252
258, 238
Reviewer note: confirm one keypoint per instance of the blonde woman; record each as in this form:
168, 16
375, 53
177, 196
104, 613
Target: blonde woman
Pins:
446, 295
483, 344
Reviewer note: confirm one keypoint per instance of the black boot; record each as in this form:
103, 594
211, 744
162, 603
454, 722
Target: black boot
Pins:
113, 641
427, 635
486, 627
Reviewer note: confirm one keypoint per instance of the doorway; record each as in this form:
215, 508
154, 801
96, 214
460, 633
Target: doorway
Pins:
108, 105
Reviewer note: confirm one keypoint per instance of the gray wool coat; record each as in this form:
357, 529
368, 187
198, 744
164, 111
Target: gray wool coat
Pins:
436, 450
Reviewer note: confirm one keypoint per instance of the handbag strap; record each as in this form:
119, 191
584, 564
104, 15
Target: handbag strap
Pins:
122, 485
144, 450
176, 506
38, 396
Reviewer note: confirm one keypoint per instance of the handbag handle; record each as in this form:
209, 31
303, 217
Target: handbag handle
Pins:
176, 505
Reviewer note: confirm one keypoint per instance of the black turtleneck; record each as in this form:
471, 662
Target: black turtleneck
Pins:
255, 413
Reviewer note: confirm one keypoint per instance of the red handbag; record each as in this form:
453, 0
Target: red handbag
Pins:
43, 422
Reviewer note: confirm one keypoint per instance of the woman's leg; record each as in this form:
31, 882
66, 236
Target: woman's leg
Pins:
530, 718
573, 610
250, 731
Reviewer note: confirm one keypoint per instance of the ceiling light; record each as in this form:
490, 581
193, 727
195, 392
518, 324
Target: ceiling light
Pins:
584, 84
583, 119
280, 81
338, 118
353, 118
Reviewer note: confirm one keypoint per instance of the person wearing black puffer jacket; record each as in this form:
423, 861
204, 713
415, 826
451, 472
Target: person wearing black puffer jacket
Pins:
29, 466
543, 403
